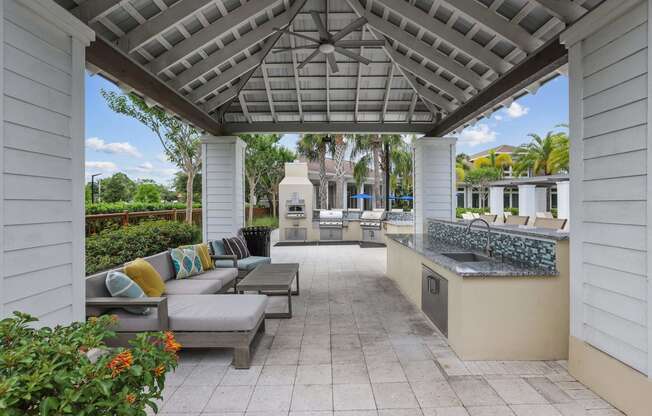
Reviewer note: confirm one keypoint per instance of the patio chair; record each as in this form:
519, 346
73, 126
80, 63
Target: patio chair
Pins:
244, 266
475, 215
551, 223
544, 215
517, 219
490, 218
467, 216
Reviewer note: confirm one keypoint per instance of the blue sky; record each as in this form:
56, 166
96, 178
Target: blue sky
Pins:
115, 143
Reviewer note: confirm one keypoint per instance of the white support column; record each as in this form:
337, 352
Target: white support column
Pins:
497, 201
527, 201
541, 199
563, 201
434, 184
223, 186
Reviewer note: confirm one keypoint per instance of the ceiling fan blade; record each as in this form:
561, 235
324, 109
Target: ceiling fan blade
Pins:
349, 28
333, 63
353, 55
279, 50
308, 59
320, 26
360, 43
299, 35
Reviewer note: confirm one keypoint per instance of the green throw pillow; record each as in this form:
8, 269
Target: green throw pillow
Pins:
120, 285
186, 262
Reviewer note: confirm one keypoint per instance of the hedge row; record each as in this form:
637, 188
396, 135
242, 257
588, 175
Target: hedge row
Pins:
114, 247
115, 207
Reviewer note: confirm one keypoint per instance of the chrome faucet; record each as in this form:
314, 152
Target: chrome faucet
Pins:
487, 248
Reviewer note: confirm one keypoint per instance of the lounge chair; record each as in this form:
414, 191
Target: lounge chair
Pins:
517, 220
551, 223
244, 266
467, 216
490, 218
193, 308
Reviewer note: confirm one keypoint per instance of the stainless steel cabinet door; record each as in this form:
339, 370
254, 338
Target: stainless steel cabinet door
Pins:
434, 298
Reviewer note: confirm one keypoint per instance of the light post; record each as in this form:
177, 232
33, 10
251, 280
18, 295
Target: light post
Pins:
93, 186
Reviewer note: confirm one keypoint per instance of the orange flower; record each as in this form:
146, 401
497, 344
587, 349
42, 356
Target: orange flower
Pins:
159, 371
171, 344
131, 398
120, 362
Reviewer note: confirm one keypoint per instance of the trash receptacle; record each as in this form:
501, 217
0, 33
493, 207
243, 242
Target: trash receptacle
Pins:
258, 240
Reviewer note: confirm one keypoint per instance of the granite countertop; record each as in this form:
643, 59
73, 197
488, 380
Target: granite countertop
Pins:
543, 233
432, 250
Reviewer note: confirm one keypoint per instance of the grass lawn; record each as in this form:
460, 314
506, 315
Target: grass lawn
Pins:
264, 222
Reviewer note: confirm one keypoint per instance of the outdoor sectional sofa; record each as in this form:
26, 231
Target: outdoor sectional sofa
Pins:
196, 309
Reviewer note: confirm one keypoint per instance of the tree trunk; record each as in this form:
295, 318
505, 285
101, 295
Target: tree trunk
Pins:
340, 150
252, 202
323, 183
376, 155
189, 188
273, 204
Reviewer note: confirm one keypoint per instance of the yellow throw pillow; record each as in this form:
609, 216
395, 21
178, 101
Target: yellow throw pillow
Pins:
204, 255
145, 276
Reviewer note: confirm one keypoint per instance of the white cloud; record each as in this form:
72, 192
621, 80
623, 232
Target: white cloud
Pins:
102, 166
99, 145
498, 117
516, 110
478, 134
161, 157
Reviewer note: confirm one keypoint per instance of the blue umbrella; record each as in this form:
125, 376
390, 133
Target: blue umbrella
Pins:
361, 196
406, 198
393, 198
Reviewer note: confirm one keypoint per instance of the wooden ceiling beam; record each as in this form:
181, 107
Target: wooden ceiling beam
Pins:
546, 59
105, 56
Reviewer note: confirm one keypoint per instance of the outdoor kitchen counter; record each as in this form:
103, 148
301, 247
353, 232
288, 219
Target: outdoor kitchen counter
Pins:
489, 310
433, 251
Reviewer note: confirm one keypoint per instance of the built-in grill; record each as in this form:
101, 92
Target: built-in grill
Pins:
371, 225
371, 220
330, 225
295, 207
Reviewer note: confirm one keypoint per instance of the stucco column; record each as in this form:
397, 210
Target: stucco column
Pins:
527, 200
223, 186
542, 199
496, 201
563, 200
434, 180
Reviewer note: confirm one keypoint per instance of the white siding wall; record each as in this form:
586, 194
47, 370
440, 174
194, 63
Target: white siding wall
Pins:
223, 186
609, 188
42, 166
434, 180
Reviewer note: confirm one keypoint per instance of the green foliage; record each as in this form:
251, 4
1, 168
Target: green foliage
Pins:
543, 155
148, 192
460, 211
47, 371
179, 185
116, 207
271, 222
117, 188
113, 247
482, 176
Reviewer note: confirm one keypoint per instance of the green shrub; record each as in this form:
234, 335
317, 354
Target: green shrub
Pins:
264, 222
114, 247
115, 207
68, 370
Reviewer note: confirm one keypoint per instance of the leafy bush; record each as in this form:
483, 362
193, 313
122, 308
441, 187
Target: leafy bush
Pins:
69, 371
116, 207
264, 222
113, 247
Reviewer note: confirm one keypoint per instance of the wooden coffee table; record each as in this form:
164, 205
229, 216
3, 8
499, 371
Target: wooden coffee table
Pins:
272, 280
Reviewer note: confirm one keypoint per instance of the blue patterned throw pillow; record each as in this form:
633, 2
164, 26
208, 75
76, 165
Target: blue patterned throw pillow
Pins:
186, 262
120, 285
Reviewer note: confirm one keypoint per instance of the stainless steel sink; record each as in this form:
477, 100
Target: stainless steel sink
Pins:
466, 257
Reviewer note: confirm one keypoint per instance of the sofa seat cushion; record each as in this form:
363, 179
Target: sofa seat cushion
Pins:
226, 275
192, 287
248, 263
128, 322
216, 313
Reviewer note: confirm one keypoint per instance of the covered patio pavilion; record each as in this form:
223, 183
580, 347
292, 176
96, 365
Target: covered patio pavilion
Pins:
384, 66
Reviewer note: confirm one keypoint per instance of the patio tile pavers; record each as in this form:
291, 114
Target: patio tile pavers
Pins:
356, 347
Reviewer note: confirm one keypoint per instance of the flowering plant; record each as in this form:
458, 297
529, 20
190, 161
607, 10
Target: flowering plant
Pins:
70, 371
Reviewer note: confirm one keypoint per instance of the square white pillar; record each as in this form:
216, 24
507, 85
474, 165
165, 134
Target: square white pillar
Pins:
434, 180
563, 200
497, 201
542, 199
527, 201
223, 186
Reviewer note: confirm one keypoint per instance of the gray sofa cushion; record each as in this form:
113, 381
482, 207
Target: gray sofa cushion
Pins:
162, 262
135, 323
206, 313
192, 287
226, 276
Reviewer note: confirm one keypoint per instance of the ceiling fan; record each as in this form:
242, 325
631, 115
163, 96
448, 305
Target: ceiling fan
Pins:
328, 44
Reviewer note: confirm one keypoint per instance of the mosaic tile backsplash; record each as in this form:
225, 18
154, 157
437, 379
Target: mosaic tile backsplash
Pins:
517, 249
400, 216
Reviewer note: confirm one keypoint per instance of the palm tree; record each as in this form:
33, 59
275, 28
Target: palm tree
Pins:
535, 157
560, 155
313, 147
370, 145
338, 149
494, 160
